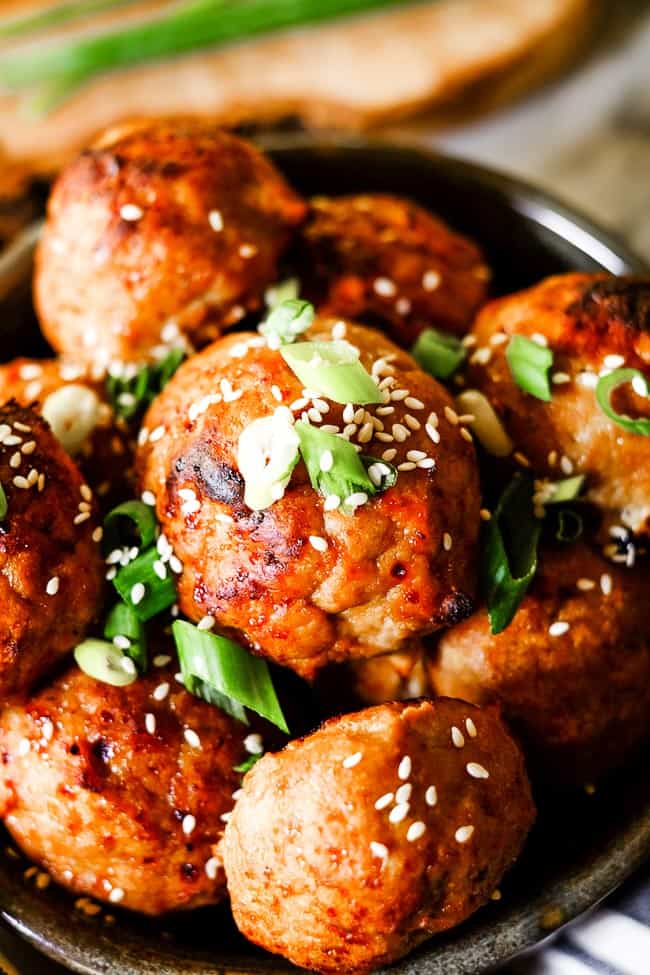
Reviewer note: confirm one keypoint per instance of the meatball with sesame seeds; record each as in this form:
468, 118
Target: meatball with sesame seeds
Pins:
162, 231
571, 671
353, 845
51, 569
387, 260
122, 793
592, 324
306, 580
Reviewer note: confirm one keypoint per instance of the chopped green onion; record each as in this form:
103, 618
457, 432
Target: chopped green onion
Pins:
131, 396
605, 388
267, 452
142, 590
509, 555
247, 765
438, 353
332, 369
566, 490
120, 523
225, 673
105, 662
287, 321
59, 14
569, 525
3, 503
283, 291
122, 621
529, 364
346, 473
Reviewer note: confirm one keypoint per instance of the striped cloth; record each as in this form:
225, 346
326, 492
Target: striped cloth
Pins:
613, 940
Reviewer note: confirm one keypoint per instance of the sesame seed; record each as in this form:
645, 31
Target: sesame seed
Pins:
130, 212
640, 386
47, 729
121, 642
559, 628
384, 801
366, 433
605, 584
116, 895
398, 395
385, 410
431, 796
348, 413
356, 499
566, 465
276, 393
404, 769
138, 592
477, 771
389, 454
403, 794
585, 585
189, 825
447, 542
485, 514
471, 728
161, 692
432, 433
332, 501
150, 723
352, 760
398, 813
521, 459
212, 868
15, 460
482, 356
385, 437
465, 434
539, 339
613, 361
253, 744
400, 432
161, 660
402, 306
415, 831
160, 569
360, 415
406, 466
431, 280
206, 623
247, 250
215, 220
318, 542
457, 737
314, 415
413, 403
156, 434
339, 330
385, 287
98, 534
29, 447
378, 850
498, 338
560, 378
192, 738
463, 834
21, 482
411, 422
53, 586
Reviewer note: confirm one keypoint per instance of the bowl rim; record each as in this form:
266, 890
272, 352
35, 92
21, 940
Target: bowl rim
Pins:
519, 929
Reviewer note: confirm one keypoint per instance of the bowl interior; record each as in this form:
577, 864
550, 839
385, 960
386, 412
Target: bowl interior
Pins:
583, 846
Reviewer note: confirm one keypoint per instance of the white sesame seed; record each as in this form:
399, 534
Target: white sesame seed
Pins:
451, 415
15, 460
463, 834
253, 744
366, 433
121, 642
161, 660
402, 306
398, 813
613, 361
205, 623
352, 760
606, 584
98, 534
116, 895
384, 437
21, 482
640, 386
432, 433
318, 542
384, 801
389, 454
447, 542
559, 628
404, 769
150, 723
138, 592
411, 422
24, 746
212, 868
378, 850
385, 287
215, 220
566, 465
431, 280
29, 447
398, 395
189, 825
469, 341
415, 831
498, 338
339, 330
156, 434
413, 404
53, 586
407, 465
431, 796
161, 692
160, 569
400, 432
457, 737
585, 585
471, 728
332, 502
477, 771
588, 379
356, 499
130, 212
482, 356
485, 514
560, 378
539, 339
403, 794
192, 738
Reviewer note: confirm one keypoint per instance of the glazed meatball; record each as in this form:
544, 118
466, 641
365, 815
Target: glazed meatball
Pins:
591, 323
571, 671
75, 406
51, 569
120, 793
163, 229
385, 259
353, 845
299, 582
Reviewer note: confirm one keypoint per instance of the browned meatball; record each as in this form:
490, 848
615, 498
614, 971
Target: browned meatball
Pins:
74, 404
162, 229
120, 793
571, 672
351, 846
300, 583
590, 322
51, 569
376, 257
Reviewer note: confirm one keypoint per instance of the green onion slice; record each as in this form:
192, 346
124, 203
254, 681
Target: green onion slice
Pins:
605, 388
131, 396
509, 553
287, 321
105, 662
283, 291
267, 452
438, 353
569, 525
332, 369
3, 503
247, 765
126, 519
159, 594
566, 490
225, 674
122, 621
529, 365
346, 473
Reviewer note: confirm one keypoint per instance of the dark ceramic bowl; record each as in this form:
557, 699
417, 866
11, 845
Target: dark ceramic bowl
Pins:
582, 847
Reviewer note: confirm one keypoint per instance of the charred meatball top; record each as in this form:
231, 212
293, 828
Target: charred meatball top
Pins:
353, 845
300, 583
121, 793
571, 671
51, 569
163, 229
383, 259
591, 323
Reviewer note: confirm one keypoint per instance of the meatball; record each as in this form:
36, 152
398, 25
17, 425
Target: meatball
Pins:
299, 582
376, 680
162, 229
74, 404
385, 259
51, 569
571, 672
591, 323
121, 793
353, 845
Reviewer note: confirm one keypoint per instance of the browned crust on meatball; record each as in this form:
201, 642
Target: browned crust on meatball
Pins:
106, 285
386, 576
305, 881
580, 700
384, 259
102, 804
46, 535
584, 318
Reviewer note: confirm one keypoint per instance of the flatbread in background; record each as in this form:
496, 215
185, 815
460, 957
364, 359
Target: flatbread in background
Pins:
350, 73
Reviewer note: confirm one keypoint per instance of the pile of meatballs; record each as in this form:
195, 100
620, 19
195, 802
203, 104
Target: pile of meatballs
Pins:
397, 818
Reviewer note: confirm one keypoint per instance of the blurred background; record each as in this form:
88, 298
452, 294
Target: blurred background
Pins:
557, 91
